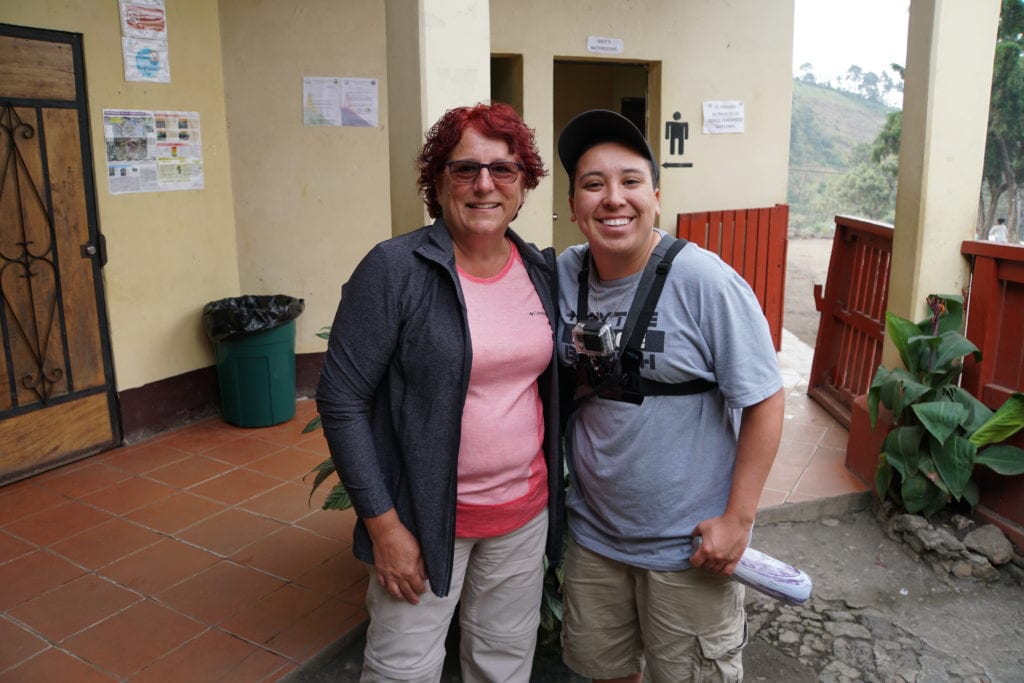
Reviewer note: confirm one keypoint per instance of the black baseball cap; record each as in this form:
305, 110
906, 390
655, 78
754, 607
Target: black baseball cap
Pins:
594, 127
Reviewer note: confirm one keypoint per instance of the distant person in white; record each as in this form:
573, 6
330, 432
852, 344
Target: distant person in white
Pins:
997, 233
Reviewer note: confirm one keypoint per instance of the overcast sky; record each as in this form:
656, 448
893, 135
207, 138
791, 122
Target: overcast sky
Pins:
833, 34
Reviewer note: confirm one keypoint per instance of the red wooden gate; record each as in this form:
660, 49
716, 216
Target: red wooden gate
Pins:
752, 241
852, 327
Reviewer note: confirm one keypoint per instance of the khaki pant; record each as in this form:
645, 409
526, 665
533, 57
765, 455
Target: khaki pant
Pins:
498, 582
685, 626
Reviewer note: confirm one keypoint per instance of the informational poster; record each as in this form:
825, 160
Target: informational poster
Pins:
144, 41
143, 19
321, 101
724, 116
152, 151
340, 101
146, 60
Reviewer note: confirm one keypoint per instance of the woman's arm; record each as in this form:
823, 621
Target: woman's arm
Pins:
363, 339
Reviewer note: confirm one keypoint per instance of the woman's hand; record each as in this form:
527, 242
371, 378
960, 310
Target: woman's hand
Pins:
397, 559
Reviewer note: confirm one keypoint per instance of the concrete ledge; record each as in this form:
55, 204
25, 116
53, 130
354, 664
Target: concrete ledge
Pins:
309, 670
811, 510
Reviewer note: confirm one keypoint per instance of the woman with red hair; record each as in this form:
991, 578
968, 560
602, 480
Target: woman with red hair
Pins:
439, 404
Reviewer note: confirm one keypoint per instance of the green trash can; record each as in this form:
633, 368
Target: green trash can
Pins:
256, 373
254, 348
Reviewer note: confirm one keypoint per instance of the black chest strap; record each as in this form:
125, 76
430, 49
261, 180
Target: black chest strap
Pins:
645, 300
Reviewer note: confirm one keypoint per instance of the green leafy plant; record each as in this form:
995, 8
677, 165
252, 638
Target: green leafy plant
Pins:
941, 432
337, 498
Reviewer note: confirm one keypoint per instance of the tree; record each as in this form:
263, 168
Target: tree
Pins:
868, 189
807, 69
1003, 174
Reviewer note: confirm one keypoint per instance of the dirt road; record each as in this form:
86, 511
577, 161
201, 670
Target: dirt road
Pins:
807, 265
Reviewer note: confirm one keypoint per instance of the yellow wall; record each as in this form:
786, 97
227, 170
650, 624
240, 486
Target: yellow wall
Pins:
292, 209
170, 252
309, 201
740, 50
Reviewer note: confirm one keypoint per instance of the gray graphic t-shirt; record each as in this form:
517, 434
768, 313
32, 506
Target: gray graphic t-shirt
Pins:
642, 477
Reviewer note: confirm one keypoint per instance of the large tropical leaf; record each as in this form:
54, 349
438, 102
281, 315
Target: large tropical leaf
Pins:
1007, 421
1002, 459
882, 375
952, 347
902, 448
900, 330
883, 476
977, 412
954, 461
919, 494
940, 418
972, 494
909, 391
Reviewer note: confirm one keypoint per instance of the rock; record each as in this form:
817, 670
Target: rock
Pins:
830, 521
844, 629
990, 541
908, 522
789, 637
839, 615
941, 541
986, 573
961, 523
962, 569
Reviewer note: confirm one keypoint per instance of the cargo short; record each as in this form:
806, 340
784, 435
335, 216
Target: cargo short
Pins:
618, 620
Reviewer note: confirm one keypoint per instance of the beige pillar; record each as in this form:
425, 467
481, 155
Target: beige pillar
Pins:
438, 58
950, 49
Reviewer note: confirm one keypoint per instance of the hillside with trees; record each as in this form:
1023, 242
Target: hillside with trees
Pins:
830, 168
837, 166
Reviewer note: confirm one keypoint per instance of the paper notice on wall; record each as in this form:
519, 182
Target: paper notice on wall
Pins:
152, 151
338, 101
724, 116
359, 102
143, 19
321, 101
146, 60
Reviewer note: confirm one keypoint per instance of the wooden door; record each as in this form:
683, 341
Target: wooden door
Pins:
57, 400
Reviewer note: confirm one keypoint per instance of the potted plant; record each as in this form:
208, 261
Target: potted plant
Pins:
940, 431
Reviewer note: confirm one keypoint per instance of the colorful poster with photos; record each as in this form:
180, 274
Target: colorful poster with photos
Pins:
152, 151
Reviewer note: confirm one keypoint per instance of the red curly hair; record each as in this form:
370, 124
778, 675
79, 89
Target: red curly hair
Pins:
499, 121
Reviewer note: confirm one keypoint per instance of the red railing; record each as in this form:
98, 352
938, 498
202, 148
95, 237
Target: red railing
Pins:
753, 242
852, 308
995, 321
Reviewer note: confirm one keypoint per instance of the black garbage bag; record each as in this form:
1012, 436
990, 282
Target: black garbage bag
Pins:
239, 316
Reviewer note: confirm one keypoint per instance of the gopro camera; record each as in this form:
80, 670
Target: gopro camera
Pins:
594, 339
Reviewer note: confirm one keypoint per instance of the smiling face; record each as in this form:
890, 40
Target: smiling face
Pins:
615, 204
480, 209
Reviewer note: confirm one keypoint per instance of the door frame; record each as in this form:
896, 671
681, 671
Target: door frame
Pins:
564, 233
94, 247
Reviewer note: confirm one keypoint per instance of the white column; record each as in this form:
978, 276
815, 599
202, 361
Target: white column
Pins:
439, 57
950, 49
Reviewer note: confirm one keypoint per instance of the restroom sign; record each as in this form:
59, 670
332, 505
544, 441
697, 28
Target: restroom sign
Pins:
604, 46
724, 116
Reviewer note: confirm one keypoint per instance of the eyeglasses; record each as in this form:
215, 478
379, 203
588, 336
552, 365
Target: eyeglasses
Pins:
467, 171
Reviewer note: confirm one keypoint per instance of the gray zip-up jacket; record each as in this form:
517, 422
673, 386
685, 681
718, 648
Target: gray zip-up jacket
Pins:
394, 384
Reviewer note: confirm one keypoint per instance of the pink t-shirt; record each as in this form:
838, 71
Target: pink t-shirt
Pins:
501, 471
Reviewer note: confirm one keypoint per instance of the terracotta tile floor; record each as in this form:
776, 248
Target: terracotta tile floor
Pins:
194, 556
